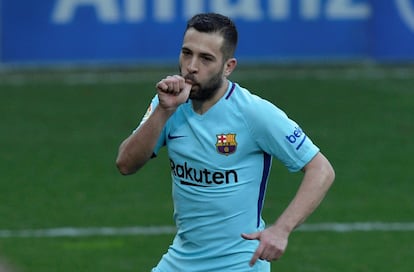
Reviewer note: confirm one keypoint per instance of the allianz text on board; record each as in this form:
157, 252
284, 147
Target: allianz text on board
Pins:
164, 11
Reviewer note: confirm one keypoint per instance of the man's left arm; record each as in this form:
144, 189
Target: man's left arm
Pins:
318, 177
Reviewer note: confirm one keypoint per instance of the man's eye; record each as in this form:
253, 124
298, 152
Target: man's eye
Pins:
206, 58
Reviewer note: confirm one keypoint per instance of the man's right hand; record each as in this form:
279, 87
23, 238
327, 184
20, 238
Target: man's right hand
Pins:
172, 92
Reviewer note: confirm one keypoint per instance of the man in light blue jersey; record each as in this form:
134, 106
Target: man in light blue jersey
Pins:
221, 140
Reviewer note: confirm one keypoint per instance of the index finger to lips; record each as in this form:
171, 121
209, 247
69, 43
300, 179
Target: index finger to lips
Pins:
162, 86
178, 84
176, 87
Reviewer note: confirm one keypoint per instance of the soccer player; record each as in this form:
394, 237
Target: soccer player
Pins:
221, 140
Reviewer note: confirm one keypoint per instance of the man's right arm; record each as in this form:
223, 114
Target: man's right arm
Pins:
137, 149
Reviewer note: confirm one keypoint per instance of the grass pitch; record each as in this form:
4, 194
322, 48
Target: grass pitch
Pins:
60, 131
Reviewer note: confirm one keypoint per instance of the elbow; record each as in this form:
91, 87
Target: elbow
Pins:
124, 167
333, 175
330, 174
128, 163
327, 170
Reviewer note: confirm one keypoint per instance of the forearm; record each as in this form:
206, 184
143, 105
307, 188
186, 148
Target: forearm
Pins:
137, 149
317, 179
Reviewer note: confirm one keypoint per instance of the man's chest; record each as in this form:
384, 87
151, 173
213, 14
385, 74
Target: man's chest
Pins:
217, 142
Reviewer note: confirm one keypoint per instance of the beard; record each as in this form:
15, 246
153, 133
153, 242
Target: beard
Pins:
205, 91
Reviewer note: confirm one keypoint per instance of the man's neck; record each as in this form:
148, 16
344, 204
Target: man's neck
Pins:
202, 107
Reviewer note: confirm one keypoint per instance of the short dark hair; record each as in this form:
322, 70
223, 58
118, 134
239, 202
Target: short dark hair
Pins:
214, 22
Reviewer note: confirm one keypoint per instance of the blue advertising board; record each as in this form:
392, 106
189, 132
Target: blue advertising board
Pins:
392, 30
61, 31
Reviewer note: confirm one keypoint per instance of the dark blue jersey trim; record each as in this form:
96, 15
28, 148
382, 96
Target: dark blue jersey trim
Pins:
267, 160
233, 86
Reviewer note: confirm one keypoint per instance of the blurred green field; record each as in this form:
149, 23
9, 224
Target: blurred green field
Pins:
60, 130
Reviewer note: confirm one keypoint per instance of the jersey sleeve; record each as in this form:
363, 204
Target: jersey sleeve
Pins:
150, 110
280, 136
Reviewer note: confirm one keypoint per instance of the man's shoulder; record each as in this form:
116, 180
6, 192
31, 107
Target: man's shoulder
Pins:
243, 97
250, 103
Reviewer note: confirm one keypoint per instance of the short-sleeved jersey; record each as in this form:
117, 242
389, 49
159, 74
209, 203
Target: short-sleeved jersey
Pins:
220, 163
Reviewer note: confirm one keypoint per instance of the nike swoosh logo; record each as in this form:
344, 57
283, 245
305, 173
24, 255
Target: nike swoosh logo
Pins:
172, 137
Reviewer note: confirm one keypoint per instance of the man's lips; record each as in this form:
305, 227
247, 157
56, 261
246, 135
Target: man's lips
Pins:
189, 81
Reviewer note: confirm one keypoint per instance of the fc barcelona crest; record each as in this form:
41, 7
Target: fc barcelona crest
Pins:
226, 143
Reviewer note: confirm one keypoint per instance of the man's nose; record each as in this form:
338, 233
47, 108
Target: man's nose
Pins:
192, 66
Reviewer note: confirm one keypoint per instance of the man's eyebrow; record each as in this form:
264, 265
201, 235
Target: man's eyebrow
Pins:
207, 55
202, 54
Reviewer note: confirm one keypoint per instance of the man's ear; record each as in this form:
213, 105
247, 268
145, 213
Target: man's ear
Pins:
230, 65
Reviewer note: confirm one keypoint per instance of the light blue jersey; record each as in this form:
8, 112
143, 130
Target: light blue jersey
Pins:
220, 163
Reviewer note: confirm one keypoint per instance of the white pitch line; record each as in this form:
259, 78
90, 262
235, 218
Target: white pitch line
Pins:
358, 226
93, 231
160, 230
